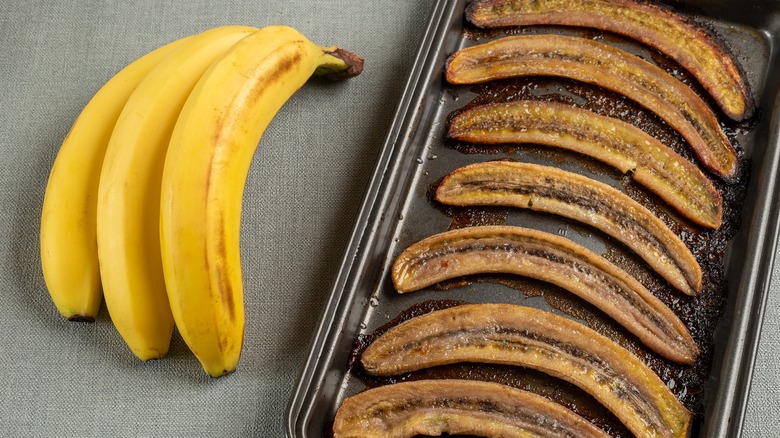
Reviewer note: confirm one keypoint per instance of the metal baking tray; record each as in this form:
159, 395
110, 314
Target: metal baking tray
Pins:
397, 212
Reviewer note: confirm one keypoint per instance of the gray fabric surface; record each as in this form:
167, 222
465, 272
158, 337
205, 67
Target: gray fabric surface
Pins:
303, 194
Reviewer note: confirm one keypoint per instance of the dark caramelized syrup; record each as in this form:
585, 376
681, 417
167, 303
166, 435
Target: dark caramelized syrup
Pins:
700, 314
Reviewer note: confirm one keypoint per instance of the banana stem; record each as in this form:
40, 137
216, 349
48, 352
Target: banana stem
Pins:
339, 64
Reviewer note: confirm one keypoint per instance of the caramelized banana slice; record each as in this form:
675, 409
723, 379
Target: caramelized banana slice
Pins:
556, 260
608, 67
531, 338
456, 407
629, 149
688, 43
551, 190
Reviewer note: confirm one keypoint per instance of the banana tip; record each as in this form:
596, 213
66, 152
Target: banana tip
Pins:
81, 318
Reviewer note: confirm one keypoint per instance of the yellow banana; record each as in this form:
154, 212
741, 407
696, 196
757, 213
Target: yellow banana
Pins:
68, 244
128, 214
205, 171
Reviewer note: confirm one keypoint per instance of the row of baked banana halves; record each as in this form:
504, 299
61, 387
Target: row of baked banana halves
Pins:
525, 337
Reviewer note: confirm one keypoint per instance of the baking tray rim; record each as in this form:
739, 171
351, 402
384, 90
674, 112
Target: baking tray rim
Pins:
736, 369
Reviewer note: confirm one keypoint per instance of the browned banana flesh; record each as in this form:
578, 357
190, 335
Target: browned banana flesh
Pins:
608, 67
531, 338
456, 407
629, 149
555, 191
553, 259
680, 38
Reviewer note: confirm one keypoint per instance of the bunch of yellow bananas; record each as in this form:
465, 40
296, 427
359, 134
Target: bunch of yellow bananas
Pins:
143, 202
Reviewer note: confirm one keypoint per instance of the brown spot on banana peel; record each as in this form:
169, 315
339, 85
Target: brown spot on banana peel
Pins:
551, 190
282, 67
556, 260
214, 263
456, 407
629, 149
531, 338
272, 76
224, 285
690, 44
600, 64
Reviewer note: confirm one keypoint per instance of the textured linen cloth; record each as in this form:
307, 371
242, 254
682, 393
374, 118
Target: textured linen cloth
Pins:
303, 194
